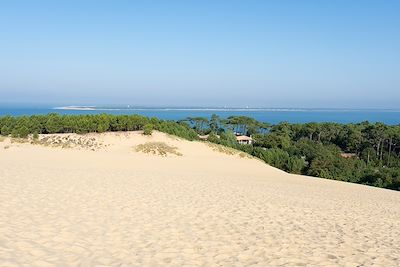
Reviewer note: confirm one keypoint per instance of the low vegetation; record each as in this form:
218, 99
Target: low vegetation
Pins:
228, 150
148, 129
158, 148
366, 153
69, 141
54, 123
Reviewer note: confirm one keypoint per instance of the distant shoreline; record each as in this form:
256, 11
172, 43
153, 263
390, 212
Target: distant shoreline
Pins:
76, 108
99, 108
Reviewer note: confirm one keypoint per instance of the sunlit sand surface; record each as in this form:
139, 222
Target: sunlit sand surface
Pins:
103, 203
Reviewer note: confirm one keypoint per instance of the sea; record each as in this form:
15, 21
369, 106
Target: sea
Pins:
270, 115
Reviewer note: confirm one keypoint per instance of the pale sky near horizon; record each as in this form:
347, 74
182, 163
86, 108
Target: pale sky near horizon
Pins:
201, 53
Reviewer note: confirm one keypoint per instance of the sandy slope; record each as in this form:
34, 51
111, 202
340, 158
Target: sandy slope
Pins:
118, 207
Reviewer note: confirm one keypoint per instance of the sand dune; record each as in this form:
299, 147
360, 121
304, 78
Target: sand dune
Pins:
102, 203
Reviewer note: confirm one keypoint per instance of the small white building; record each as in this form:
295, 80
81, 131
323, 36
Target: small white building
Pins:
244, 140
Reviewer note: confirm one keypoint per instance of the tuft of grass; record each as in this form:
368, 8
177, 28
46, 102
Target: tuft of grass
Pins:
2, 138
6, 147
81, 142
228, 150
19, 140
158, 148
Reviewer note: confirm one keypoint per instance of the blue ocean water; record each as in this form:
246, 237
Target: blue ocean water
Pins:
391, 117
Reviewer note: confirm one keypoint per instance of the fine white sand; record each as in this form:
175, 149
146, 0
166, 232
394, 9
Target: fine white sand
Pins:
118, 207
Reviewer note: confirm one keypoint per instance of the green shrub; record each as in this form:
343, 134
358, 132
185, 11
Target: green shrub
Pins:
23, 132
5, 130
148, 129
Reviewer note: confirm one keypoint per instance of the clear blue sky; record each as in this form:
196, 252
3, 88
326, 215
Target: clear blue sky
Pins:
201, 53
